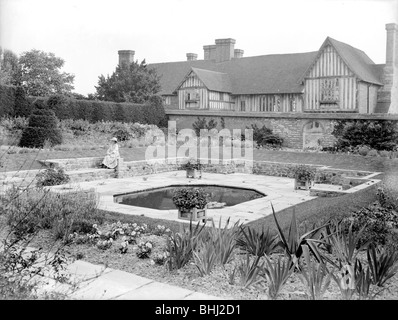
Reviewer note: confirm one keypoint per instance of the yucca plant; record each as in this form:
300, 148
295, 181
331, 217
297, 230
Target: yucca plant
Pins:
345, 244
223, 240
363, 281
257, 243
345, 279
316, 277
248, 271
276, 273
181, 244
292, 244
383, 265
205, 257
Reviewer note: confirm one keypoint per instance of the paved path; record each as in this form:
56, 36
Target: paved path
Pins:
95, 282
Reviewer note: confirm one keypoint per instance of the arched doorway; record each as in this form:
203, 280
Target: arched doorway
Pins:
313, 133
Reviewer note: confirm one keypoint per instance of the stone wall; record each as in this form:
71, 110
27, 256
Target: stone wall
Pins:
289, 126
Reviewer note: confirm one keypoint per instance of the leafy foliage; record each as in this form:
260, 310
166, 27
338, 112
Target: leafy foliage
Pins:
205, 257
9, 68
376, 134
180, 245
201, 123
135, 83
41, 75
303, 172
265, 137
257, 243
189, 198
276, 273
52, 177
248, 270
316, 277
42, 126
383, 266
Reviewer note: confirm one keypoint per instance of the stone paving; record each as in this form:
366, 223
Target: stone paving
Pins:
94, 282
279, 190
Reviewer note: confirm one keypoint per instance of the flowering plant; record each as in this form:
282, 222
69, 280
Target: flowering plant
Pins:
144, 249
303, 173
161, 230
160, 258
104, 244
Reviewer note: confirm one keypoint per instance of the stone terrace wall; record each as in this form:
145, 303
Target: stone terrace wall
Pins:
289, 126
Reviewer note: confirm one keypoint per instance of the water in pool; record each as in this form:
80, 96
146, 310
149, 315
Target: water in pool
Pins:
162, 198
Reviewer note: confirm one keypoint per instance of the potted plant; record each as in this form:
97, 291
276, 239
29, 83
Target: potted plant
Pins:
191, 203
303, 177
193, 169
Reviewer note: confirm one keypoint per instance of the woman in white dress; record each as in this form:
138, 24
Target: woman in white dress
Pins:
112, 155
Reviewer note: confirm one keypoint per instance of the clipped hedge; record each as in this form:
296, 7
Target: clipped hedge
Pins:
7, 101
42, 127
94, 111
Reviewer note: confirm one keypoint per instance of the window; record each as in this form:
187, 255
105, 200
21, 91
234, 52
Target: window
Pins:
263, 103
243, 105
188, 96
292, 104
329, 91
167, 100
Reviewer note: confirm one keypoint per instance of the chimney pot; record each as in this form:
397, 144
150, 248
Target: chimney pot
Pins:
192, 56
238, 53
224, 49
126, 57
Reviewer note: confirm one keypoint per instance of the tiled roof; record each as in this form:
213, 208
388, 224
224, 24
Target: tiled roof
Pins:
357, 61
267, 74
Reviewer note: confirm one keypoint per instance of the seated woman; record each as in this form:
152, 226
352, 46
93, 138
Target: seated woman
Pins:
112, 155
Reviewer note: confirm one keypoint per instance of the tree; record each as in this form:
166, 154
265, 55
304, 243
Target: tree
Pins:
9, 68
135, 83
41, 75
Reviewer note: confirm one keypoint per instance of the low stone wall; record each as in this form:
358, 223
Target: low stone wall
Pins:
290, 126
73, 163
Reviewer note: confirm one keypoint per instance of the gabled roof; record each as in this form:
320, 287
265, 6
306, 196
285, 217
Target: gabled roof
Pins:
266, 74
356, 60
214, 81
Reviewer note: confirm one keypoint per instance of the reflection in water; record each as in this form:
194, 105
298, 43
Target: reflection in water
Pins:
162, 198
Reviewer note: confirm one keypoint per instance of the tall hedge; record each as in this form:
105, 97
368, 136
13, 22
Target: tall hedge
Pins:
93, 111
7, 100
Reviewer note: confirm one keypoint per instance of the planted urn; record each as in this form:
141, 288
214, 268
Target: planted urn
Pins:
191, 203
304, 177
193, 169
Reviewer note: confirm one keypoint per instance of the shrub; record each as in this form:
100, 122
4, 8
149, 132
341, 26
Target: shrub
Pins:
384, 153
7, 100
257, 243
34, 209
265, 137
180, 245
22, 106
377, 134
303, 172
189, 198
42, 126
52, 177
373, 153
122, 135
201, 123
248, 270
363, 150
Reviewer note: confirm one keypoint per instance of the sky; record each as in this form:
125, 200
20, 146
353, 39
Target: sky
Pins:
88, 33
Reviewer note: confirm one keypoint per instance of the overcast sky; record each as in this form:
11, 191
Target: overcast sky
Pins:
88, 33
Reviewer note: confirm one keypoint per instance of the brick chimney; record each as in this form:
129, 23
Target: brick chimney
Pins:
225, 49
388, 94
126, 57
192, 56
209, 52
238, 53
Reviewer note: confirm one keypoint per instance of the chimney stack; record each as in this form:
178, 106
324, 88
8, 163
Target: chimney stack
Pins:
238, 53
388, 94
126, 57
209, 52
224, 49
192, 56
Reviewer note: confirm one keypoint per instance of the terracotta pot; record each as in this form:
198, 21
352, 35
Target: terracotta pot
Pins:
194, 173
197, 214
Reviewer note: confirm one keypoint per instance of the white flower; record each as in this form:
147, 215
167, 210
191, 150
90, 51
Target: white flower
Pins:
149, 245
